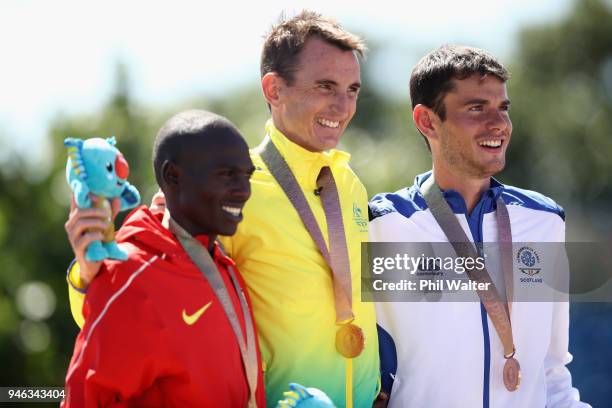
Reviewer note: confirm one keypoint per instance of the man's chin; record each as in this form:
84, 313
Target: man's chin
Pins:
492, 170
328, 143
328, 137
228, 230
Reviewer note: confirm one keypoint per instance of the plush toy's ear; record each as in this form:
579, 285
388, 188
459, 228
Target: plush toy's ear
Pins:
111, 140
74, 153
72, 141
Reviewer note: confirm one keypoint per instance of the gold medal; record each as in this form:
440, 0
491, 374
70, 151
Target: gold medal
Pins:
350, 340
512, 374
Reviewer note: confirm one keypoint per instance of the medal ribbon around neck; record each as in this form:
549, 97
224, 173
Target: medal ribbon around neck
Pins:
204, 262
349, 338
498, 311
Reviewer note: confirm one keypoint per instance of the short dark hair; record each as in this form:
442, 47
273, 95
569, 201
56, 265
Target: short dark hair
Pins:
180, 130
432, 77
286, 39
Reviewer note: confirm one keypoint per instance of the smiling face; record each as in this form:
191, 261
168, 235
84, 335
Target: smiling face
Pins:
213, 176
316, 107
473, 138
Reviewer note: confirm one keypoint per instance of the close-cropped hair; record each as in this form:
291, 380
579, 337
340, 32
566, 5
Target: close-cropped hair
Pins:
286, 39
180, 130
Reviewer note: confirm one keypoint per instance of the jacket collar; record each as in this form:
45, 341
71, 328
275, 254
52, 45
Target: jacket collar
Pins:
303, 163
456, 202
152, 230
217, 253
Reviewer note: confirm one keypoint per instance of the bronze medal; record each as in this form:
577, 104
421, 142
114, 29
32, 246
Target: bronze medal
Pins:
350, 340
512, 374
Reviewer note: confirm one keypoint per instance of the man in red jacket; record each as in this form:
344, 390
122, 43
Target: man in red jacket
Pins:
172, 326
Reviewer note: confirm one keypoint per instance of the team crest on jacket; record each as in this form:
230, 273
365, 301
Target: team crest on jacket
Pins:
359, 219
528, 261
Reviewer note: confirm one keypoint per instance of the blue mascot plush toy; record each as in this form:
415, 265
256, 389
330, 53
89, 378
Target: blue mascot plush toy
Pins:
299, 396
95, 166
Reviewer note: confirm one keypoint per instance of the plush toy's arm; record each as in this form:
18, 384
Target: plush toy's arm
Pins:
130, 197
300, 396
81, 194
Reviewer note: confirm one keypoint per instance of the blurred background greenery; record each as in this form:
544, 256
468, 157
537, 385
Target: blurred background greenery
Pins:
561, 92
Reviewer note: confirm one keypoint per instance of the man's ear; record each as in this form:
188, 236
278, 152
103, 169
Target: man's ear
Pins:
272, 85
424, 119
170, 173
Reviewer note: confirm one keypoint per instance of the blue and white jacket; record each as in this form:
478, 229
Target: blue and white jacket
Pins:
448, 354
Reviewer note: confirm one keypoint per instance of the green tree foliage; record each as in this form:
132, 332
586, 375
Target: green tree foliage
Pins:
32, 248
35, 350
561, 93
386, 149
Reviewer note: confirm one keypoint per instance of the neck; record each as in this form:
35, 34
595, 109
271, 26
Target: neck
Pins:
192, 229
470, 188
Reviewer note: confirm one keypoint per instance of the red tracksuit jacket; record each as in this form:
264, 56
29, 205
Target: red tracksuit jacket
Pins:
137, 348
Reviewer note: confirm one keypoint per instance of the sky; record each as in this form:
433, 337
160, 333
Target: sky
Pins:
60, 56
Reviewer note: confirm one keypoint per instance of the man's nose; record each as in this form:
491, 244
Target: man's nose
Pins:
241, 187
498, 120
342, 103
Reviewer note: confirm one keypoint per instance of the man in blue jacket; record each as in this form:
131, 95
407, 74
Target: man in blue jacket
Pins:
460, 354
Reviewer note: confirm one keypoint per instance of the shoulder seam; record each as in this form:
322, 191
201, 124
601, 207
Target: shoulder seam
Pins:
105, 309
552, 207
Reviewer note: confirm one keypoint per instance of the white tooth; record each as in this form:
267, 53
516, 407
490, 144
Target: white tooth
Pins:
232, 210
328, 123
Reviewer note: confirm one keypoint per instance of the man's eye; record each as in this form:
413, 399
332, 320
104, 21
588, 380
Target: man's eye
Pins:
475, 108
325, 87
505, 108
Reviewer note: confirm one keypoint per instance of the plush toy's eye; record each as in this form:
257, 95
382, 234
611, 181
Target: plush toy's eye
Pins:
109, 167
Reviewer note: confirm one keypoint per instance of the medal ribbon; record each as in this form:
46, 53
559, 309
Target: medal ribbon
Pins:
337, 256
202, 259
498, 311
